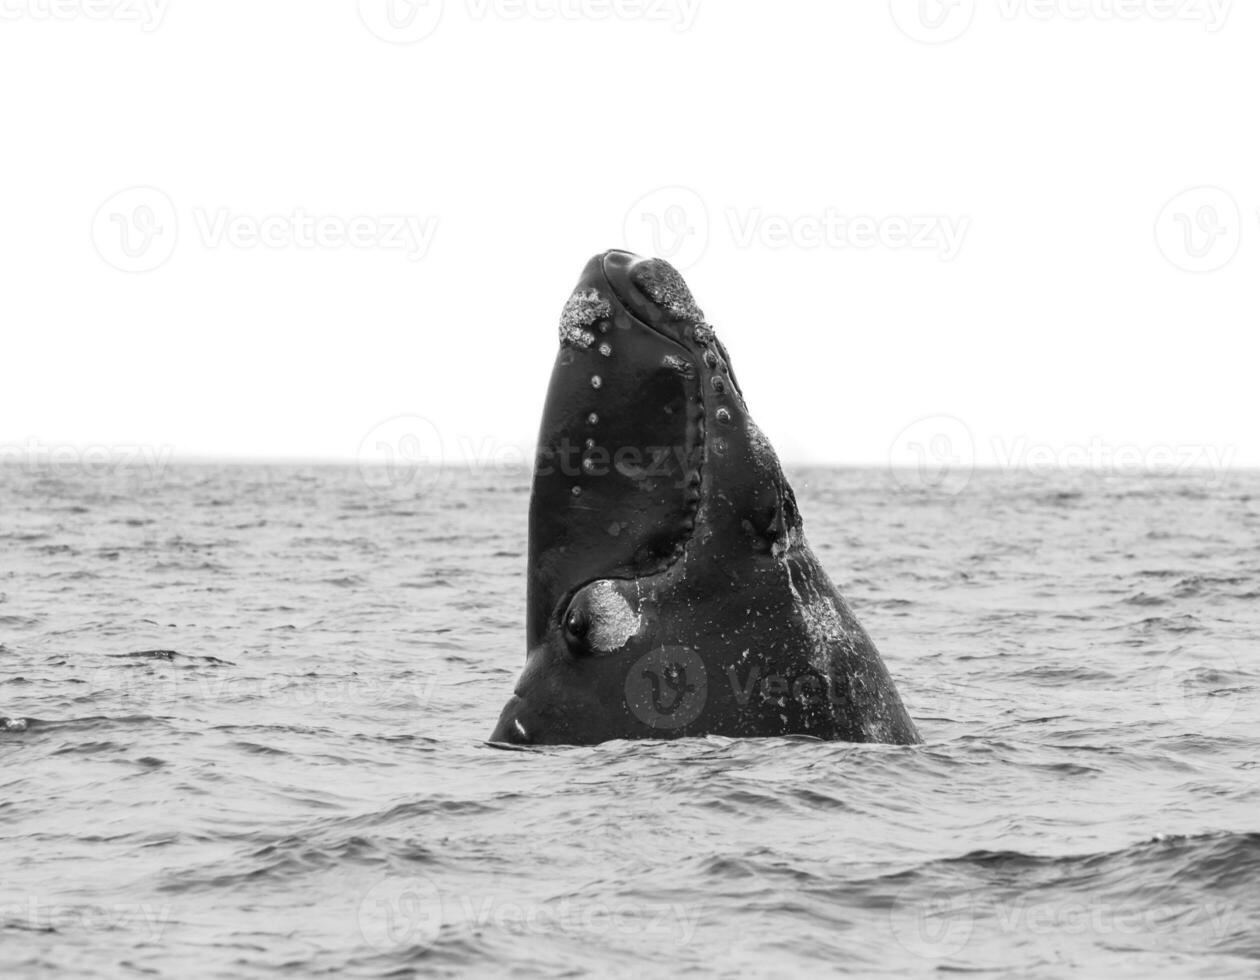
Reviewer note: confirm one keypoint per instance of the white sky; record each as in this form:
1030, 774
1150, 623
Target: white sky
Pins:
1047, 138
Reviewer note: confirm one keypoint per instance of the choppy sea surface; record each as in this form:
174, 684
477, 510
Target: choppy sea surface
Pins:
245, 712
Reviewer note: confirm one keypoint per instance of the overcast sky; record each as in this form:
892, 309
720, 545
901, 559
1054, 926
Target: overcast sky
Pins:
266, 229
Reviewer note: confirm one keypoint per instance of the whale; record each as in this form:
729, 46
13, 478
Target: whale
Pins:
670, 590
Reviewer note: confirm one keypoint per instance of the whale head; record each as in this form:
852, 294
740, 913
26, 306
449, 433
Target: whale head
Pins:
668, 575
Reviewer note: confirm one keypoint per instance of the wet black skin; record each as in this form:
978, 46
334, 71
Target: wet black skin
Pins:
681, 510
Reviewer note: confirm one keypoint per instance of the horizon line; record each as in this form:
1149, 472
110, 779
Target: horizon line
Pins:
235, 459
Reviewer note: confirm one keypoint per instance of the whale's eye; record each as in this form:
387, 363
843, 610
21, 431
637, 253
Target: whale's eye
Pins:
576, 626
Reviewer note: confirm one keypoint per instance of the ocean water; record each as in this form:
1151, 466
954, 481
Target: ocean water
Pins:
246, 709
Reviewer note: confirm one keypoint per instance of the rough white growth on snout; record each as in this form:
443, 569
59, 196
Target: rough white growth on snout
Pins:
583, 309
613, 621
666, 287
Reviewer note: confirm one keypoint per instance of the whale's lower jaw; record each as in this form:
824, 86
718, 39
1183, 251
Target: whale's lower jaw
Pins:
670, 591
